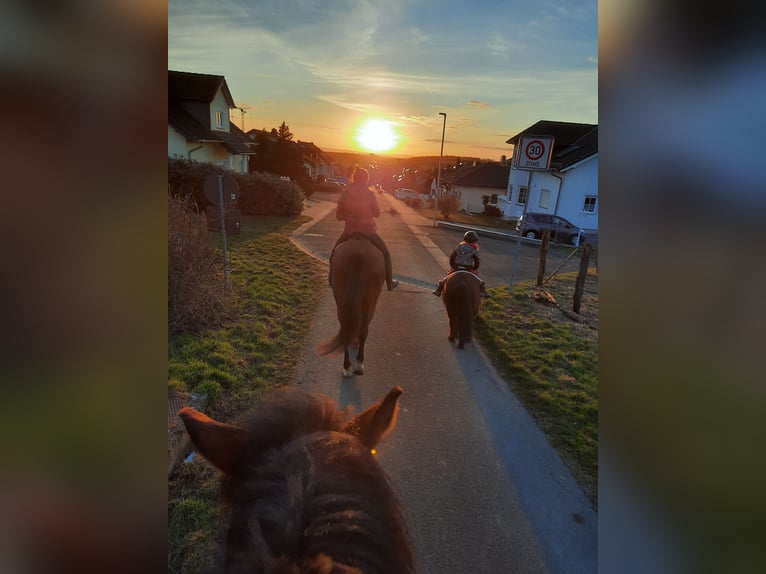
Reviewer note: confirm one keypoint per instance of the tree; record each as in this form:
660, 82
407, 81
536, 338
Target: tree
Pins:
284, 132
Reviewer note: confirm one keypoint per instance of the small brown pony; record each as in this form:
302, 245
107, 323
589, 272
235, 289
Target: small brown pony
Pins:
358, 272
462, 299
302, 489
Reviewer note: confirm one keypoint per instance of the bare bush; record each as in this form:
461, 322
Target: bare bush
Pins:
448, 204
198, 296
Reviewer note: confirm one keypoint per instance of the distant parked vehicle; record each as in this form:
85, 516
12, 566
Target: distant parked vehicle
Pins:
330, 185
532, 225
404, 193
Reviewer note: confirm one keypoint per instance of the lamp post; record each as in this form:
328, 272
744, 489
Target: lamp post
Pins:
439, 173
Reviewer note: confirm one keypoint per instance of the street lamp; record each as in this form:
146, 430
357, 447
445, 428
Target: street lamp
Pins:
439, 173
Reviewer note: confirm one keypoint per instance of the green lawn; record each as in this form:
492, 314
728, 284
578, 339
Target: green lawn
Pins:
551, 363
276, 298
480, 220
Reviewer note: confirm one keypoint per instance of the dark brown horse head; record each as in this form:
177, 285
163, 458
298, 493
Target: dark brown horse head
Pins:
358, 271
462, 300
304, 492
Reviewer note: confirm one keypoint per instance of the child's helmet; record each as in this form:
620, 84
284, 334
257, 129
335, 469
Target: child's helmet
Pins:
470, 237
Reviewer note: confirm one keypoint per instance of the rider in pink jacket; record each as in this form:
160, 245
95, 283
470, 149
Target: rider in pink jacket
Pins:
358, 207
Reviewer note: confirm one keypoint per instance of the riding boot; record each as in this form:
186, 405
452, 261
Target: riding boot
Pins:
390, 282
439, 287
483, 289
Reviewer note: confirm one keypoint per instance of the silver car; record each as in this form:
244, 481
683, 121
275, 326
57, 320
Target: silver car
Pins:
533, 224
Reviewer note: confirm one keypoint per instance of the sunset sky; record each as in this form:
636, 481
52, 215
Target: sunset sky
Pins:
326, 68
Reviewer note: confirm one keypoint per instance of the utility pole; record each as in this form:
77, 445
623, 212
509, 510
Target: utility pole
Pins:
439, 172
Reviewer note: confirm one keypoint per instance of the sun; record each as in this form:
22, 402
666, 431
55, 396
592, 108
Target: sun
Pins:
377, 135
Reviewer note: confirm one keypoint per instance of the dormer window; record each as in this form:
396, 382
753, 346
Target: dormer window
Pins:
219, 120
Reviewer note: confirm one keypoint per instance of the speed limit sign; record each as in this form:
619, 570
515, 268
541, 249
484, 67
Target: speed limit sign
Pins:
534, 152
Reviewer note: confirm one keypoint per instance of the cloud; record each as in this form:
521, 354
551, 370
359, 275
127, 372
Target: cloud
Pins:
478, 104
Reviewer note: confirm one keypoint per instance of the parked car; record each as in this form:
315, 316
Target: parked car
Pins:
401, 193
330, 185
533, 224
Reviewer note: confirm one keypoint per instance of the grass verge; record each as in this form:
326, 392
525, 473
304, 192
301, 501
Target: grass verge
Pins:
551, 363
275, 284
465, 218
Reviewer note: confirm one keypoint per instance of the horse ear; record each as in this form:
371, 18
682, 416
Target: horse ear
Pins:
372, 424
219, 443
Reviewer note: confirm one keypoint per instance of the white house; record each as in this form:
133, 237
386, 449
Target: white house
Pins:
570, 188
198, 122
470, 182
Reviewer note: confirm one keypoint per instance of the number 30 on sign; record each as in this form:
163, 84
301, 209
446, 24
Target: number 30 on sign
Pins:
534, 152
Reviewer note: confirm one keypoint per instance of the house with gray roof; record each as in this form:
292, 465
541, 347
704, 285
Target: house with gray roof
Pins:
470, 182
199, 127
570, 188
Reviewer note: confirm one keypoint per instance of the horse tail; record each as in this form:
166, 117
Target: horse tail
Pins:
331, 347
460, 309
350, 311
465, 320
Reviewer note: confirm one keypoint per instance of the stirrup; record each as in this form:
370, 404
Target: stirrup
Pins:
393, 285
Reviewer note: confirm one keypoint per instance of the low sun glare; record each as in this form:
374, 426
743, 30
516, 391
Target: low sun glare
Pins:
376, 135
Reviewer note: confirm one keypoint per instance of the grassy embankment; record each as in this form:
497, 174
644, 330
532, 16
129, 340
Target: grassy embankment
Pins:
551, 363
276, 298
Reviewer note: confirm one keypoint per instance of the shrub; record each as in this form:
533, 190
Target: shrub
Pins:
186, 178
260, 193
198, 296
492, 210
448, 204
266, 194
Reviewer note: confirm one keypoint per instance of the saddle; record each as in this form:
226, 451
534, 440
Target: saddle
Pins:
358, 235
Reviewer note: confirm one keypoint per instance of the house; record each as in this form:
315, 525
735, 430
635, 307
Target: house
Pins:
471, 182
315, 161
198, 122
570, 188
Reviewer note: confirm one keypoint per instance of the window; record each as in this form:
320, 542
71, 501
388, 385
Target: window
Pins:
545, 198
523, 192
219, 119
590, 204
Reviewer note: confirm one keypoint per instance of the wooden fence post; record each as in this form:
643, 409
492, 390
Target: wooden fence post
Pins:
543, 257
580, 283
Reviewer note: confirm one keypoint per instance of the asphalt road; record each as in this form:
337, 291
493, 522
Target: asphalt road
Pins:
484, 490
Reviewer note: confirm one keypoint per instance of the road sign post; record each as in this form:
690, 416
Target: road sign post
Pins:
533, 153
222, 190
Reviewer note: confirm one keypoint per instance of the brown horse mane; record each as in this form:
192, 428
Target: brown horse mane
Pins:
307, 496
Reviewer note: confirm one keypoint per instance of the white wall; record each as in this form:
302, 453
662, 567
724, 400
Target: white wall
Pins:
176, 143
580, 181
566, 198
219, 104
471, 198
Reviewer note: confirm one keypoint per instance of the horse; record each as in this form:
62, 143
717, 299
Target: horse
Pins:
462, 299
303, 491
358, 272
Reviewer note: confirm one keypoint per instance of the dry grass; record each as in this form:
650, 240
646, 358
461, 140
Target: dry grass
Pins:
198, 296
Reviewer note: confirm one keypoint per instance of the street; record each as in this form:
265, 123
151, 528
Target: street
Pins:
484, 490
